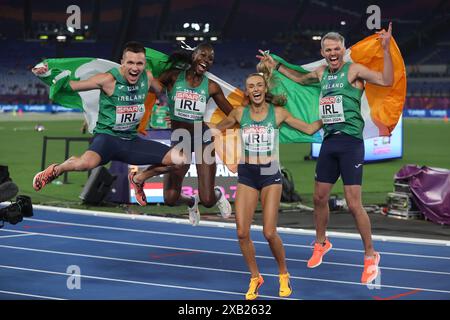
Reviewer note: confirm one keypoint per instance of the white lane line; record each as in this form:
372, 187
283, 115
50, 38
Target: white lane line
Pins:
30, 295
17, 235
122, 216
222, 253
227, 239
137, 282
222, 271
214, 269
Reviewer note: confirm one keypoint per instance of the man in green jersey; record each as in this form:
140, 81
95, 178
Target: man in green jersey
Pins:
342, 151
121, 106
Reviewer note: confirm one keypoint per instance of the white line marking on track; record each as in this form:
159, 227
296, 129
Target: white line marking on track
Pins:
224, 253
233, 225
17, 235
30, 295
228, 239
216, 269
137, 282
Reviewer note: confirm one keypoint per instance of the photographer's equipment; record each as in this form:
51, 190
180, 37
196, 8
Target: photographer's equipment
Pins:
288, 192
97, 186
8, 190
15, 212
336, 203
4, 174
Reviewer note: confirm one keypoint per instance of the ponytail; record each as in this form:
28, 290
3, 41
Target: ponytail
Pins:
276, 99
180, 59
267, 74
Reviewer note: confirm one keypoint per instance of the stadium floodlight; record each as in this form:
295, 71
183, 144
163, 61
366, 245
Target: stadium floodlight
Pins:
186, 25
86, 27
61, 38
343, 23
180, 38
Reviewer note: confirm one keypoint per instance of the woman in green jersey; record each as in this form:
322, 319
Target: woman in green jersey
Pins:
259, 175
188, 93
342, 153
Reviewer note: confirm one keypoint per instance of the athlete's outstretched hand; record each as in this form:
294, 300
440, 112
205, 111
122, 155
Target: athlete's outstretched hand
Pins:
385, 37
266, 59
40, 69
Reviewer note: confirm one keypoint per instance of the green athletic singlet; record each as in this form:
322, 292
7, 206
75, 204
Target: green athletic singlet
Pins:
120, 114
340, 104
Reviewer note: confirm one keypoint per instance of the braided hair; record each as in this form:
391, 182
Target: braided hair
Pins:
182, 58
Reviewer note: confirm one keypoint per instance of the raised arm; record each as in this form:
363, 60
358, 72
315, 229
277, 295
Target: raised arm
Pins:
229, 121
385, 78
308, 128
168, 78
94, 82
154, 84
215, 91
302, 78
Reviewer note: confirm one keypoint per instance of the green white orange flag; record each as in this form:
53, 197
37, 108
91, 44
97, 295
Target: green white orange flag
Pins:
381, 107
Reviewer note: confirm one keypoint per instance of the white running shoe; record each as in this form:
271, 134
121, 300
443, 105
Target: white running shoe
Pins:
223, 204
194, 213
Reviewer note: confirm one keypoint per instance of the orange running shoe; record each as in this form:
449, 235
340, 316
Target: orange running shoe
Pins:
318, 253
285, 285
44, 177
371, 269
138, 190
253, 287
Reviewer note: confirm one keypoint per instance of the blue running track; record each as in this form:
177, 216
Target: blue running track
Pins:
125, 257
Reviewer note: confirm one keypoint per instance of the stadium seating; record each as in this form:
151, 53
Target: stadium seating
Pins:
285, 27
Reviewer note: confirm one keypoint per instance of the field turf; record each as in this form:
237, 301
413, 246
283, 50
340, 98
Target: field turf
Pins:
425, 143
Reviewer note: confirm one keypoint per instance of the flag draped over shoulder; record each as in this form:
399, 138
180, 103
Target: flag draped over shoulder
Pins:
77, 69
157, 62
381, 107
88, 101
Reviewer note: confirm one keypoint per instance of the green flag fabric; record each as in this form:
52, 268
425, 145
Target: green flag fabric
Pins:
302, 102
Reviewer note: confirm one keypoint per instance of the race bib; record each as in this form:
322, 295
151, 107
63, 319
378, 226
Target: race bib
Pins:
258, 139
128, 117
331, 109
189, 105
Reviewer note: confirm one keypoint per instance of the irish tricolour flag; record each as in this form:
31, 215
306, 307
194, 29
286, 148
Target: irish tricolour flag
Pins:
381, 107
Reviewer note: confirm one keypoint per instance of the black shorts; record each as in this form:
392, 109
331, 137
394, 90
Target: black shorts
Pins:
341, 155
136, 151
196, 143
258, 176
